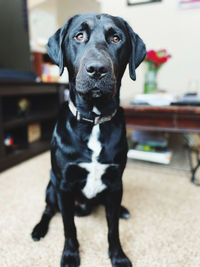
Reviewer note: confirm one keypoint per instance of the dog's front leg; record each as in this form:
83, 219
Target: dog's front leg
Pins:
112, 204
70, 256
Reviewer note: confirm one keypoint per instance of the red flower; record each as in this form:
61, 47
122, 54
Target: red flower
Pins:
157, 57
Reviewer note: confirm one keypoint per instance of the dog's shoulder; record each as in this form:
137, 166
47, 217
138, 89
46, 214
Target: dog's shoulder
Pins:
117, 123
60, 129
68, 132
120, 115
64, 114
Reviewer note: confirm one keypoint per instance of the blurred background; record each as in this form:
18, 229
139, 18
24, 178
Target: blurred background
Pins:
162, 111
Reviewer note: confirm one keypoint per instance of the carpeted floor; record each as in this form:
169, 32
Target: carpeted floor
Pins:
164, 230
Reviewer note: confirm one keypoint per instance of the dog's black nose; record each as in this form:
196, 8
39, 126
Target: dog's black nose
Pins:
96, 70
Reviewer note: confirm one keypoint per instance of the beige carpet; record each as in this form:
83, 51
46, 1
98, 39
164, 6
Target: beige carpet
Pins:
164, 230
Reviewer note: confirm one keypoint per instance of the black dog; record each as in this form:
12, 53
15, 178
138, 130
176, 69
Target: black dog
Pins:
89, 147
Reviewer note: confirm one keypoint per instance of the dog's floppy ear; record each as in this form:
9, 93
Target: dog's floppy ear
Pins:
138, 51
55, 46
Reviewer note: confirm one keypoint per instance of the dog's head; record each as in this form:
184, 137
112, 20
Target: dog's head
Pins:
96, 49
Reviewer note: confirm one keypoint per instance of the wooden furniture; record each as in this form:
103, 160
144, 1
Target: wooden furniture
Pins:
179, 119
44, 99
182, 119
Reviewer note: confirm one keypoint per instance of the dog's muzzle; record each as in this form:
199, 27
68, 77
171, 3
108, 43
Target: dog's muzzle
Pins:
95, 77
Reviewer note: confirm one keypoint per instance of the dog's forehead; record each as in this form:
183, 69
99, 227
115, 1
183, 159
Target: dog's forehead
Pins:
102, 20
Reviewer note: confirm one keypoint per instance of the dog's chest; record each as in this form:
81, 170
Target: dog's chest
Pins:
94, 184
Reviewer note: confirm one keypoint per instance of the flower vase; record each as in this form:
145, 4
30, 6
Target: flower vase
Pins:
150, 85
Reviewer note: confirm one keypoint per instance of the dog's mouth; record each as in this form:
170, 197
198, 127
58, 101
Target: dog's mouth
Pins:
95, 93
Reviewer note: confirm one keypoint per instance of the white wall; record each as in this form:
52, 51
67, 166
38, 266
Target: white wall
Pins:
68, 8
163, 25
46, 16
42, 19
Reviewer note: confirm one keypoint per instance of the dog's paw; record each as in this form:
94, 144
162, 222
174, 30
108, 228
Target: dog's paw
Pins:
124, 213
39, 231
119, 259
70, 259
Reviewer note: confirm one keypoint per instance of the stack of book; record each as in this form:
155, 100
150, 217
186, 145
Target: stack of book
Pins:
150, 146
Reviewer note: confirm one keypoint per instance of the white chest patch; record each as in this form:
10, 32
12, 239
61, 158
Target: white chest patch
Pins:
94, 184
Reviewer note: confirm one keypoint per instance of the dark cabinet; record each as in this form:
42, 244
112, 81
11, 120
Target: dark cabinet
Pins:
25, 108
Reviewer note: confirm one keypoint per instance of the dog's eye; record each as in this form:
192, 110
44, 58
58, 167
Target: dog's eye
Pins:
80, 37
115, 39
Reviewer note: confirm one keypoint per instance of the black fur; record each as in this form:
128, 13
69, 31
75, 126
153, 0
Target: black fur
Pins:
95, 49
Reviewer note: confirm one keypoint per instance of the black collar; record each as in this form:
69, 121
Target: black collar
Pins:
95, 120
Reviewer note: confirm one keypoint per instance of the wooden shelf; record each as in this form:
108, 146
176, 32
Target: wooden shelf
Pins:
20, 155
45, 99
29, 119
28, 88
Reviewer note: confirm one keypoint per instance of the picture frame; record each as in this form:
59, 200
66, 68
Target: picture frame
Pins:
141, 2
